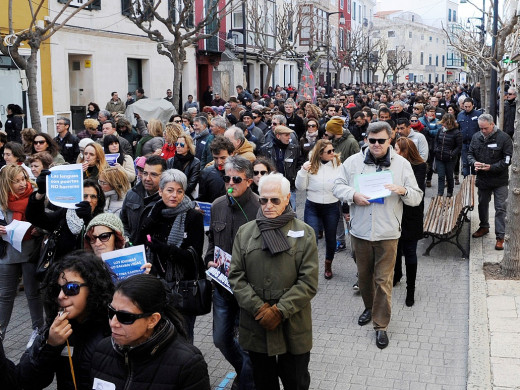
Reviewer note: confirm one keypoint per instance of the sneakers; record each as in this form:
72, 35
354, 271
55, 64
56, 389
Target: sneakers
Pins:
340, 247
480, 232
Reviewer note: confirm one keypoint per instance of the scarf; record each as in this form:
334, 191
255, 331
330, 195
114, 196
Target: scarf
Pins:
380, 162
274, 239
311, 137
180, 162
18, 203
74, 223
202, 134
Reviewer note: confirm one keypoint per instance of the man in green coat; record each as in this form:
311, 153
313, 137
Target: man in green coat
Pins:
274, 276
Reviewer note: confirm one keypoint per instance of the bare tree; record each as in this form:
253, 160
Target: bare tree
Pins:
274, 32
377, 56
398, 60
181, 29
356, 54
36, 33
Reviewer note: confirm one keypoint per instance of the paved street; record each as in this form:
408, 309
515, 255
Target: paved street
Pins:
428, 342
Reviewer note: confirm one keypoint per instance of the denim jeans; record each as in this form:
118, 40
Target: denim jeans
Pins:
466, 168
445, 171
484, 197
225, 323
9, 276
328, 213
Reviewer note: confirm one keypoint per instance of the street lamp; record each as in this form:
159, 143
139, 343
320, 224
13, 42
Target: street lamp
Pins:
341, 21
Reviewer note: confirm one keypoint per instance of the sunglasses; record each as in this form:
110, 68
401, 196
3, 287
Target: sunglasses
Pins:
275, 201
179, 144
103, 237
330, 151
72, 288
312, 125
414, 121
255, 117
236, 179
124, 317
178, 121
379, 141
91, 196
39, 142
262, 173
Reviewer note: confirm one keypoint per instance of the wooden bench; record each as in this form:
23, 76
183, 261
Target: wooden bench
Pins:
446, 216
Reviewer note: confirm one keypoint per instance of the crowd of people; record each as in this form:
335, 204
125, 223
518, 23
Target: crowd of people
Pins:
246, 157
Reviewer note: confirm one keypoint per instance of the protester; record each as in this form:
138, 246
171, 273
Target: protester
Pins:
93, 161
448, 145
261, 167
14, 123
115, 185
43, 142
38, 162
124, 161
14, 155
186, 162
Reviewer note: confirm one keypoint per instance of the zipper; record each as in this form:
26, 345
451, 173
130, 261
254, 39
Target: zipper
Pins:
129, 369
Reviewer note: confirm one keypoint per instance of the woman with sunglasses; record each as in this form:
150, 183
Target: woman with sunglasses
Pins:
76, 293
172, 131
66, 224
148, 347
416, 124
114, 183
321, 207
308, 141
15, 190
43, 142
173, 232
261, 167
124, 161
186, 162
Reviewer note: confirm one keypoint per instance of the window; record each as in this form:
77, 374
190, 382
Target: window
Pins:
409, 34
422, 58
354, 11
413, 18
391, 34
341, 39
431, 39
449, 15
430, 59
78, 3
341, 4
348, 6
436, 60
443, 62
454, 16
128, 5
422, 37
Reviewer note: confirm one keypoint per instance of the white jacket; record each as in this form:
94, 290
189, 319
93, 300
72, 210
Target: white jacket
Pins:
319, 186
377, 221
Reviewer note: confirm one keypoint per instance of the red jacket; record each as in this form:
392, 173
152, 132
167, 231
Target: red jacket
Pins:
168, 151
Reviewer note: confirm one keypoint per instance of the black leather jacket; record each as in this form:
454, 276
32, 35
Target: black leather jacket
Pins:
190, 167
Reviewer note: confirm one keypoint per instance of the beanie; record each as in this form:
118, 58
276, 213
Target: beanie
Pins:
335, 125
84, 142
109, 220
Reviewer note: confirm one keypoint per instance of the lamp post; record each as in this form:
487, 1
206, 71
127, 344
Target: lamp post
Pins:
341, 21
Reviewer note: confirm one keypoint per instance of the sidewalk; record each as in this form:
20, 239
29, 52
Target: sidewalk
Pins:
494, 319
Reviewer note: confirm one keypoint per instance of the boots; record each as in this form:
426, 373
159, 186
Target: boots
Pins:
411, 273
398, 270
457, 182
328, 269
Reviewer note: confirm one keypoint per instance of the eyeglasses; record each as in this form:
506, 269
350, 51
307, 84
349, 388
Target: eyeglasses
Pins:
91, 196
275, 124
511, 93
236, 179
255, 117
178, 121
275, 201
378, 140
39, 142
413, 121
330, 151
103, 237
312, 125
416, 108
102, 183
72, 288
180, 144
124, 317
261, 173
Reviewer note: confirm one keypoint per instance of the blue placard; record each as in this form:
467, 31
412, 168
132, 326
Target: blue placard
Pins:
65, 185
206, 209
126, 262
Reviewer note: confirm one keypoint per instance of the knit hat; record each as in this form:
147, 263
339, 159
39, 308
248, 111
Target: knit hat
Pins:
84, 142
140, 161
351, 105
109, 220
335, 125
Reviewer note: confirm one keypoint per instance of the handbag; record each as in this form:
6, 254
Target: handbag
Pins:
47, 254
193, 296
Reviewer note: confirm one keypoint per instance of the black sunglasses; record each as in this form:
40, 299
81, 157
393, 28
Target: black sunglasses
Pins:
179, 144
379, 141
330, 151
72, 288
275, 201
103, 237
178, 121
236, 179
312, 125
262, 173
124, 317
39, 142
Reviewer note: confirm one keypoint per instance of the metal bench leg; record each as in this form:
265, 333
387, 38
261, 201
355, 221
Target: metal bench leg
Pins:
430, 247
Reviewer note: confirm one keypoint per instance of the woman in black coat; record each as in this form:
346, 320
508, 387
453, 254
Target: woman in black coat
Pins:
412, 222
186, 162
448, 145
14, 123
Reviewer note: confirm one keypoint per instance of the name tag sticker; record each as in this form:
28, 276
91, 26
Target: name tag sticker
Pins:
295, 234
203, 142
508, 159
305, 145
289, 160
100, 384
474, 118
68, 145
291, 125
185, 235
492, 146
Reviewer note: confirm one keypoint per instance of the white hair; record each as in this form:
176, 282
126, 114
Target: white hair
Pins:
275, 178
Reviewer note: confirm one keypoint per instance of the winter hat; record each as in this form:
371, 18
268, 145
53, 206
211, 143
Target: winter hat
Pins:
109, 220
335, 125
351, 105
140, 161
84, 142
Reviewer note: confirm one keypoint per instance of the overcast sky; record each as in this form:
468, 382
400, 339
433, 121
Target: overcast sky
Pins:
422, 8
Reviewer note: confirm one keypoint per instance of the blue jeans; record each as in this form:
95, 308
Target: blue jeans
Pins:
445, 171
9, 277
328, 214
225, 323
466, 168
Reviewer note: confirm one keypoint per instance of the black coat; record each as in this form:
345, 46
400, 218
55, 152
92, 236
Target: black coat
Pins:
13, 128
412, 222
190, 165
211, 184
509, 116
69, 147
448, 145
164, 362
7, 371
296, 124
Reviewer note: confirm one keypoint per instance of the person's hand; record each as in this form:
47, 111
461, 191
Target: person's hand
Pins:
3, 230
60, 330
117, 165
157, 246
84, 166
84, 211
41, 181
212, 264
399, 190
261, 312
306, 166
134, 143
481, 166
272, 318
147, 268
137, 116
157, 152
360, 199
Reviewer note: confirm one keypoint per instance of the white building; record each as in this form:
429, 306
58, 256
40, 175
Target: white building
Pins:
405, 32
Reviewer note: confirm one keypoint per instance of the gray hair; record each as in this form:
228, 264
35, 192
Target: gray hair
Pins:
486, 118
377, 127
399, 103
239, 164
173, 175
280, 118
202, 120
105, 113
237, 133
275, 178
65, 120
192, 110
219, 122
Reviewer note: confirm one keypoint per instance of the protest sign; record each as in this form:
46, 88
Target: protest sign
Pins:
112, 158
220, 273
206, 208
15, 232
126, 262
65, 185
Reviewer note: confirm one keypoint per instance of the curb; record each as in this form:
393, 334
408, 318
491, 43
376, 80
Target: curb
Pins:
479, 367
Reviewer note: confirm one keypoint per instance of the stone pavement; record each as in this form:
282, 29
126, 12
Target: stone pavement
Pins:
494, 337
428, 342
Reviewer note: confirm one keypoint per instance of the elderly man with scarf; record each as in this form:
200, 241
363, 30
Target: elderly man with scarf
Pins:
274, 276
376, 223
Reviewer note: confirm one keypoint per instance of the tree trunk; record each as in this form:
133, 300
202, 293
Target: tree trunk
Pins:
487, 88
269, 76
178, 66
511, 261
501, 77
32, 92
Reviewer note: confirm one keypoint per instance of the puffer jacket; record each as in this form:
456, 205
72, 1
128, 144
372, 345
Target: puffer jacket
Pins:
163, 362
319, 185
496, 150
377, 221
448, 144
